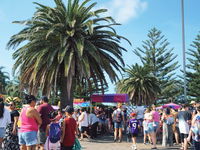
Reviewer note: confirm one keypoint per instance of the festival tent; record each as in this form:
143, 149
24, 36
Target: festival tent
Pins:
160, 107
110, 98
172, 105
55, 107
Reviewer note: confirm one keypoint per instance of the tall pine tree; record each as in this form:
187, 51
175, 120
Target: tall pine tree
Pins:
155, 53
193, 73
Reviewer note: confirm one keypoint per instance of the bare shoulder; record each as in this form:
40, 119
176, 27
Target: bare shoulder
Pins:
32, 111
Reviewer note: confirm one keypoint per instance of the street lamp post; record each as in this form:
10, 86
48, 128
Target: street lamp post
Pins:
183, 46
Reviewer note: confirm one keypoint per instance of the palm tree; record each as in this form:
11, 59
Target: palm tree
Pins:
140, 84
66, 43
13, 88
4, 77
88, 87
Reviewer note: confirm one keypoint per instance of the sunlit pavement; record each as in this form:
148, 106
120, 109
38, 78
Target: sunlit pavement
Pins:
106, 143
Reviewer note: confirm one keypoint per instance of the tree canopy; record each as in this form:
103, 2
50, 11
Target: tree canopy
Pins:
66, 43
141, 85
156, 54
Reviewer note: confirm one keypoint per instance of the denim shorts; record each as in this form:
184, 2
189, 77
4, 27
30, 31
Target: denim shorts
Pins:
118, 125
2, 132
28, 138
152, 127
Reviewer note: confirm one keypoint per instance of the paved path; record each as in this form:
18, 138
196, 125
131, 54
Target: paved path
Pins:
106, 143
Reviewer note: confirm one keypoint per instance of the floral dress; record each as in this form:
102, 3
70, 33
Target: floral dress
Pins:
10, 140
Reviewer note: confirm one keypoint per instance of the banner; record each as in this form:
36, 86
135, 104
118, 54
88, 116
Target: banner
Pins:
78, 100
85, 104
111, 98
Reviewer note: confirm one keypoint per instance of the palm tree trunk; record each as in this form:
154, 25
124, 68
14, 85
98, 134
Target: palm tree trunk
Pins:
65, 98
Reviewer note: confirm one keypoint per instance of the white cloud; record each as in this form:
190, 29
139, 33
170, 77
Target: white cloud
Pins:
124, 10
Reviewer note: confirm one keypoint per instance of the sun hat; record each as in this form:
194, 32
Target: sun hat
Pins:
192, 102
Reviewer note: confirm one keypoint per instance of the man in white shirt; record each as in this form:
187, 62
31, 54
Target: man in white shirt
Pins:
93, 124
140, 115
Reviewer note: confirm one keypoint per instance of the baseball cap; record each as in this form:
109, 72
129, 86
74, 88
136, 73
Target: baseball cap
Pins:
133, 114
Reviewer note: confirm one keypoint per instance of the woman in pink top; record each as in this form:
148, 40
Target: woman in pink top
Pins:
154, 125
30, 120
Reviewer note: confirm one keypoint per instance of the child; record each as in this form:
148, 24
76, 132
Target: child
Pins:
128, 134
133, 125
145, 128
54, 125
69, 130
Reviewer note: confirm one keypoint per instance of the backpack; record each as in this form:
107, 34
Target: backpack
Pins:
119, 116
54, 132
170, 120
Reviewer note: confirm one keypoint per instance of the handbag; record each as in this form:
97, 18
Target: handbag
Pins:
77, 145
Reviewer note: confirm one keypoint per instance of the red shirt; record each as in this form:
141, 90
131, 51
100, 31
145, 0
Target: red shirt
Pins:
70, 129
44, 110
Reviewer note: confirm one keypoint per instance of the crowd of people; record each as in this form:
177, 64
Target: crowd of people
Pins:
41, 127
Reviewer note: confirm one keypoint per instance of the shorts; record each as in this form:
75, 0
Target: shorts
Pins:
152, 127
28, 138
41, 137
134, 134
2, 132
156, 126
145, 131
102, 121
183, 136
84, 129
118, 125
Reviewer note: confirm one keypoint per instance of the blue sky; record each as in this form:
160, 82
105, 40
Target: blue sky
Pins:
136, 17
